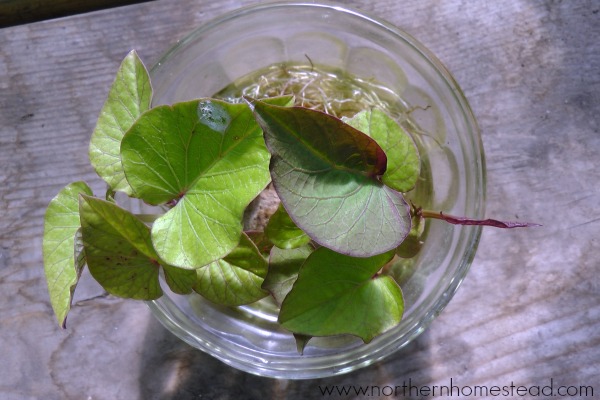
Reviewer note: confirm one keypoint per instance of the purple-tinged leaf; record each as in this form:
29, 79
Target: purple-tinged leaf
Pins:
319, 135
326, 175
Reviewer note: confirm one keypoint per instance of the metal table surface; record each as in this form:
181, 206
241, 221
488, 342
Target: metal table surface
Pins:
528, 313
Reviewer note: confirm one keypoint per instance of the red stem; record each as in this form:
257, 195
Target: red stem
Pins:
469, 221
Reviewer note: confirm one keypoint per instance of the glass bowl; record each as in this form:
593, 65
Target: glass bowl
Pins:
431, 106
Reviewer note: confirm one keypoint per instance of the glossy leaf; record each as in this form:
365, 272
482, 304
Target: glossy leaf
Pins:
63, 261
235, 279
129, 96
325, 173
282, 231
209, 158
118, 250
338, 294
403, 162
284, 265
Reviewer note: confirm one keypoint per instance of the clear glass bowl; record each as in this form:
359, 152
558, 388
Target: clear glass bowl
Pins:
235, 45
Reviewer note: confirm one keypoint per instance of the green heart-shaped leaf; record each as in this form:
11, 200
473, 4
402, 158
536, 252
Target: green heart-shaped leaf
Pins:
284, 265
118, 250
129, 96
179, 280
338, 294
325, 173
210, 158
61, 248
282, 231
235, 279
403, 162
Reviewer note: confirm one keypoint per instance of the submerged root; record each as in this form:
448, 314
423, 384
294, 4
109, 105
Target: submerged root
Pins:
332, 92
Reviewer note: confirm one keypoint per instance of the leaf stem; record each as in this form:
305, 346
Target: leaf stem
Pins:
470, 221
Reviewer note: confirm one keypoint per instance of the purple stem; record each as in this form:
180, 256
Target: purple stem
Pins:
469, 221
